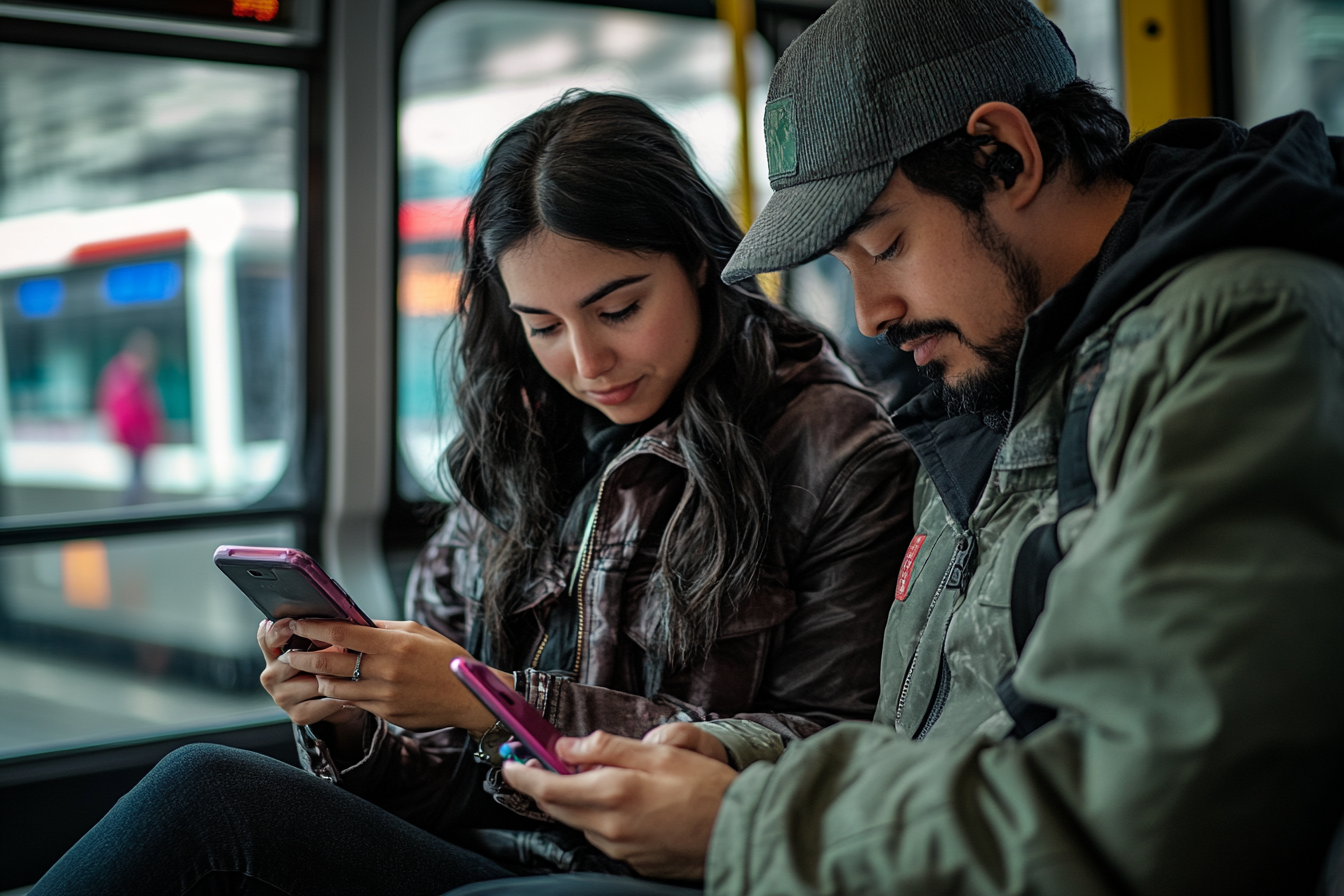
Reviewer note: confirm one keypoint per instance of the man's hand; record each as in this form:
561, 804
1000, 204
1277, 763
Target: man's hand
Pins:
404, 675
650, 804
688, 737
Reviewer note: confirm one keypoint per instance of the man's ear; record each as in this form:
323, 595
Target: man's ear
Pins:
1013, 154
702, 273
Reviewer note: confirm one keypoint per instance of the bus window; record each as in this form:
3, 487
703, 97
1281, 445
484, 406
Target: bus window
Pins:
147, 219
127, 636
151, 367
472, 68
1289, 55
1092, 28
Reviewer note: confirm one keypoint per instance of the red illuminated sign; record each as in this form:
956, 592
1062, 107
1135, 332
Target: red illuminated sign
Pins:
432, 220
271, 13
261, 10
144, 244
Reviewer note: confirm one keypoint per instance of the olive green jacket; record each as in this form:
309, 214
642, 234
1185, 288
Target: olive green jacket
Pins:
1192, 638
1183, 725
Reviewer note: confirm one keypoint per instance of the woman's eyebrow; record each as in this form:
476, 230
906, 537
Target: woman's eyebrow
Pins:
603, 290
610, 288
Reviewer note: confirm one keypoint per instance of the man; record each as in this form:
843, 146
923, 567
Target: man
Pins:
1114, 661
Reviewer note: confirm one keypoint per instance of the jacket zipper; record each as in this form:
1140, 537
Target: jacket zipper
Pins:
585, 552
956, 571
939, 698
579, 580
585, 566
953, 577
546, 636
961, 561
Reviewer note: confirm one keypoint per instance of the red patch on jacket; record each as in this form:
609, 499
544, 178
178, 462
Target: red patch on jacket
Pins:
908, 566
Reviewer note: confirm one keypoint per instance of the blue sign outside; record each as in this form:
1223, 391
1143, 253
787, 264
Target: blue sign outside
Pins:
150, 281
42, 297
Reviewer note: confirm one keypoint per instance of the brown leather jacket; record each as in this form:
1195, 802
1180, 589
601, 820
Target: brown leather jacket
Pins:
801, 653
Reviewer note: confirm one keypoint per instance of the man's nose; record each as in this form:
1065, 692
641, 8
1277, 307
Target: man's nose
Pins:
592, 356
876, 306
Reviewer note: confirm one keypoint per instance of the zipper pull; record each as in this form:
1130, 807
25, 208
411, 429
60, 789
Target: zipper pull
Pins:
961, 562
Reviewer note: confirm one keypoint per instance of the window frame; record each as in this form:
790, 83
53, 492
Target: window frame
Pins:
309, 453
69, 790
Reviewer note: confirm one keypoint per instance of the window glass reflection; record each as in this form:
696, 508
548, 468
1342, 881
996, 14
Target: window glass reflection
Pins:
149, 361
1092, 28
1289, 55
115, 638
147, 219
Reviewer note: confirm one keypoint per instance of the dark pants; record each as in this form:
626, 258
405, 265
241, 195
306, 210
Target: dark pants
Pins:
574, 885
212, 819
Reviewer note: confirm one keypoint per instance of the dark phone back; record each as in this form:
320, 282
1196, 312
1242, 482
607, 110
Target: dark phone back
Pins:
279, 590
286, 582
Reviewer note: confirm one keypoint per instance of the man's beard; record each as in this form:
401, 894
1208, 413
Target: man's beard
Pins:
987, 391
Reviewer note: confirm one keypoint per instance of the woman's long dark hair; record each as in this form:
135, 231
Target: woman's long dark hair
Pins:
607, 169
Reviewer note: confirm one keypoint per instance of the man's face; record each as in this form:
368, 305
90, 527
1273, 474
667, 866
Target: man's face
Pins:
947, 286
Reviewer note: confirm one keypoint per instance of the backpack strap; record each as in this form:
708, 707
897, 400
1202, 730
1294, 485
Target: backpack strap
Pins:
1041, 552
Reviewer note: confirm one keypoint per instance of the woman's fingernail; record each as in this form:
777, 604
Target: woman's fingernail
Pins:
284, 658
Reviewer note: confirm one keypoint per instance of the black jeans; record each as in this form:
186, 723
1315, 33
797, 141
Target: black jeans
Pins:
212, 819
574, 885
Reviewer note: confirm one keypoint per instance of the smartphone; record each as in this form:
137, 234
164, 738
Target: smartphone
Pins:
285, 583
528, 725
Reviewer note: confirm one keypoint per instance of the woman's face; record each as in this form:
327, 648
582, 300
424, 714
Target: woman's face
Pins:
617, 329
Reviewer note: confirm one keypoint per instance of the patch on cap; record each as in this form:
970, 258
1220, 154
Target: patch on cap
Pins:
781, 142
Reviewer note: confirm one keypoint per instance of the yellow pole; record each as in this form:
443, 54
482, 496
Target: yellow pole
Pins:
1166, 58
740, 15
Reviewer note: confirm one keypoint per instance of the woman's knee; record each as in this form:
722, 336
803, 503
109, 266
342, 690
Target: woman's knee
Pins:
207, 791
205, 762
200, 772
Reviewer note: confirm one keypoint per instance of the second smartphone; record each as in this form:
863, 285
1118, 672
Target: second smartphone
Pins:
528, 725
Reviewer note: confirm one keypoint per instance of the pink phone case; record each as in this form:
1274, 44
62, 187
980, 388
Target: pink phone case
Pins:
286, 582
528, 725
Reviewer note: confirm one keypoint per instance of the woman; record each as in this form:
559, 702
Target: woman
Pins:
677, 505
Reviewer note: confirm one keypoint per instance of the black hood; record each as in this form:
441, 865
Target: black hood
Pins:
1201, 185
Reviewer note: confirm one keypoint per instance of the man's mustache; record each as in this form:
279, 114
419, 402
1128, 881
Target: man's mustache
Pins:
898, 334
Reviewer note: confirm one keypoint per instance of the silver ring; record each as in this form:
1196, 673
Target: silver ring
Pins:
359, 658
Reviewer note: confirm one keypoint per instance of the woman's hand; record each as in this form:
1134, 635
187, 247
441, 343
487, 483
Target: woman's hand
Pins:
688, 737
294, 692
404, 674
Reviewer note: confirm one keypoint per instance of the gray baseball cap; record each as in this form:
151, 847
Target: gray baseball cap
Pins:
869, 82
